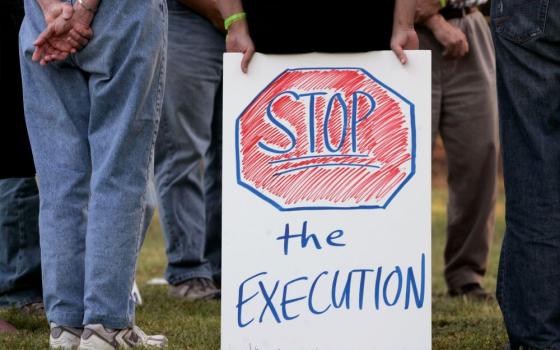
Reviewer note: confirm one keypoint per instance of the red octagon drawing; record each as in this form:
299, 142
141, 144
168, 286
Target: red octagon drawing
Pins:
326, 138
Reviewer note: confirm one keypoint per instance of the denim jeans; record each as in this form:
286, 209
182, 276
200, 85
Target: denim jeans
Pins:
20, 257
92, 122
527, 39
187, 157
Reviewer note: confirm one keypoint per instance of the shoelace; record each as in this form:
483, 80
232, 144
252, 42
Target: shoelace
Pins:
204, 282
140, 333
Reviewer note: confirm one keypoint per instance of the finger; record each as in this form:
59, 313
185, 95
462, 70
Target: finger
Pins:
61, 44
73, 43
38, 53
48, 51
59, 56
55, 55
399, 52
450, 51
85, 32
43, 52
456, 51
78, 38
44, 36
247, 56
67, 11
461, 50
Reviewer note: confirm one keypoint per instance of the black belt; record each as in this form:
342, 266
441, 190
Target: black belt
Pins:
451, 13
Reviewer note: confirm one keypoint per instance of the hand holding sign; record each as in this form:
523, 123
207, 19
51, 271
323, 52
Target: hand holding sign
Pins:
404, 39
239, 40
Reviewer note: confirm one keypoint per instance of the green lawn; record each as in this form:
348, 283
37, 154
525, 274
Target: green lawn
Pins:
457, 323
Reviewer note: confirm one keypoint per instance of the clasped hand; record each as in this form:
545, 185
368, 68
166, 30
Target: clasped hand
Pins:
68, 31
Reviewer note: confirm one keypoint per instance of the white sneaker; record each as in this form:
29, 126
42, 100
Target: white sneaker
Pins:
62, 337
97, 337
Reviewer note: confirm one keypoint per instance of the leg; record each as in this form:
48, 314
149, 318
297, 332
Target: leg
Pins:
56, 100
528, 87
126, 85
194, 66
20, 257
213, 190
469, 131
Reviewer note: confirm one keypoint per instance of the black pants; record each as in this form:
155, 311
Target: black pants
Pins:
15, 152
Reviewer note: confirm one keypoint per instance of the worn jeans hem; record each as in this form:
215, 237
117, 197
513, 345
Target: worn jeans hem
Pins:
68, 319
177, 279
19, 302
108, 321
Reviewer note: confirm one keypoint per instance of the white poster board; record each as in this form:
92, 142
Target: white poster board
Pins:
327, 202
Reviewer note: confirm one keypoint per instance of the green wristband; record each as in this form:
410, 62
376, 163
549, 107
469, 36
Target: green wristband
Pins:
234, 18
443, 3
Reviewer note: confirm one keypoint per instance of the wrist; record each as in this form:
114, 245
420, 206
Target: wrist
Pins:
51, 9
234, 18
403, 25
434, 22
46, 5
238, 26
82, 14
88, 5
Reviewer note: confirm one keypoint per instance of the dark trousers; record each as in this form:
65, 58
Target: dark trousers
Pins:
465, 114
527, 38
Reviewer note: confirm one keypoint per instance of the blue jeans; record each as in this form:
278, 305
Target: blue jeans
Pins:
527, 39
92, 122
188, 158
20, 257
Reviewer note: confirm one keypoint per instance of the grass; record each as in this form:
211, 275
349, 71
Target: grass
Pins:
457, 323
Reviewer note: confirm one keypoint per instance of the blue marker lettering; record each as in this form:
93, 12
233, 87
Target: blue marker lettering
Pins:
312, 118
280, 126
268, 300
355, 119
344, 108
286, 301
397, 271
241, 301
312, 292
411, 285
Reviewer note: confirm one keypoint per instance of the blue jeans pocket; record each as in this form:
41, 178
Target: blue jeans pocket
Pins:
520, 21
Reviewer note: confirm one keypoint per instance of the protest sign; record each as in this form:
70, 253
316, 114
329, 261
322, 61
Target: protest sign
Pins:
326, 202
